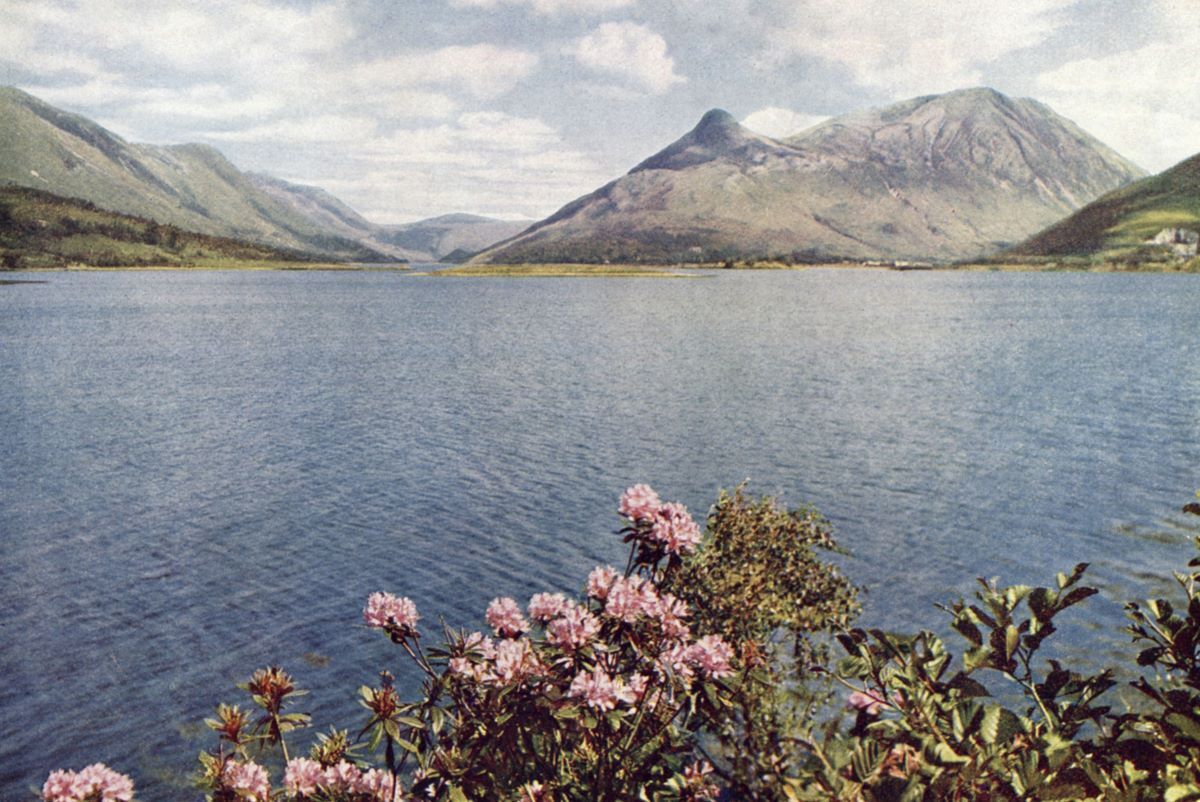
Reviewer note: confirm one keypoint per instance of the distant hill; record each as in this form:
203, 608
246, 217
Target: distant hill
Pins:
197, 189
939, 178
1119, 224
190, 186
42, 230
450, 234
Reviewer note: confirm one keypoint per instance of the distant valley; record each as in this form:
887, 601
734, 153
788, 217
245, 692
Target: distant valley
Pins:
195, 188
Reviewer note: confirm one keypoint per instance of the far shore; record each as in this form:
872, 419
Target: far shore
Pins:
231, 264
687, 270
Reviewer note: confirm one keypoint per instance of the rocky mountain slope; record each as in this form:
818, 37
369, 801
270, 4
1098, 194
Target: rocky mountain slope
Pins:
942, 178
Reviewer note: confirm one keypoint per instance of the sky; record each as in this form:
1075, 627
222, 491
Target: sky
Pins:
407, 109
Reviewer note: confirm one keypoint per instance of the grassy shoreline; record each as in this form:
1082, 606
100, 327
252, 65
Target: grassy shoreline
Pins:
215, 265
614, 270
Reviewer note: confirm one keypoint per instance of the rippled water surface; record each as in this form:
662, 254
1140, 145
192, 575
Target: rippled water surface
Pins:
202, 473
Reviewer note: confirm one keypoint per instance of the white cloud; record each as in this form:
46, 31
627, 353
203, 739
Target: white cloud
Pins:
484, 70
549, 6
326, 128
1143, 102
944, 45
488, 162
630, 52
780, 123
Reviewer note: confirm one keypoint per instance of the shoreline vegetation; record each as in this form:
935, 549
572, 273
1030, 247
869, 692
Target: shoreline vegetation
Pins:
724, 663
565, 270
586, 270
692, 269
218, 264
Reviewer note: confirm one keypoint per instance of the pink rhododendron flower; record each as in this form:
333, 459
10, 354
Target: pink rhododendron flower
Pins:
600, 580
544, 606
711, 655
515, 662
59, 786
384, 610
248, 780
670, 612
380, 786
474, 668
481, 643
676, 659
871, 705
574, 629
639, 503
596, 689
96, 781
674, 528
342, 778
637, 687
504, 616
303, 776
629, 598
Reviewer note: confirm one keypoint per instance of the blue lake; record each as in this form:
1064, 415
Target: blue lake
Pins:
203, 473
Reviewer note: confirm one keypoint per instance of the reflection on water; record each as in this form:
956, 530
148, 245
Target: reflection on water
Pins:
207, 472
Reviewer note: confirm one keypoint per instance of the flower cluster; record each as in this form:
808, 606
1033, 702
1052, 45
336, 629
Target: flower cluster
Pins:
95, 783
639, 503
574, 628
665, 526
504, 616
306, 778
247, 780
601, 692
600, 580
544, 606
385, 611
709, 656
507, 662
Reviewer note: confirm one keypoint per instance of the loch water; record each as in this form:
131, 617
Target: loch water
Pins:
204, 473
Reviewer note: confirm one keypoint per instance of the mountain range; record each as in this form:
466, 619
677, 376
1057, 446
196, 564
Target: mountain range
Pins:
945, 177
194, 187
941, 178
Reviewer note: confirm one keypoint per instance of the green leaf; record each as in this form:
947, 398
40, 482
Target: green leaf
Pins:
1187, 725
1178, 793
998, 725
1012, 639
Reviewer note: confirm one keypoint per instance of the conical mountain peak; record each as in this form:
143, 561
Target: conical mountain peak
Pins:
717, 134
716, 119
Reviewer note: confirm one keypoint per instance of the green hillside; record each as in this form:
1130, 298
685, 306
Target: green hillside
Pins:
1116, 226
191, 186
41, 230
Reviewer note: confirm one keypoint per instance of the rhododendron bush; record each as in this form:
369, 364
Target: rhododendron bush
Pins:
617, 694
699, 670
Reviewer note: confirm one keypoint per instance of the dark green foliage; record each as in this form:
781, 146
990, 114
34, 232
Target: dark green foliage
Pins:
38, 229
760, 583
